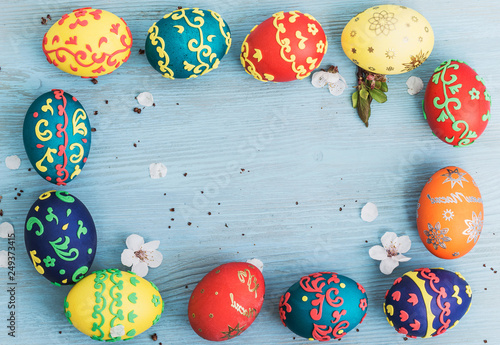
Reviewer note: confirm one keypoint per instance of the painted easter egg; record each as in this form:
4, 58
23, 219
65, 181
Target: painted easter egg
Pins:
388, 39
113, 305
56, 136
88, 42
285, 47
226, 301
187, 43
426, 302
60, 237
323, 306
450, 213
456, 103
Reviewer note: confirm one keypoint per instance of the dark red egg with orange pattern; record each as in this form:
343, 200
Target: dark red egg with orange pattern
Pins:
456, 103
285, 47
226, 301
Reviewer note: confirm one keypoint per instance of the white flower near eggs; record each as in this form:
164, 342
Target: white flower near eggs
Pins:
391, 252
336, 83
4, 258
140, 255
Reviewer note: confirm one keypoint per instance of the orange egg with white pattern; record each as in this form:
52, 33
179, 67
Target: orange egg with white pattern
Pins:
88, 42
450, 213
285, 47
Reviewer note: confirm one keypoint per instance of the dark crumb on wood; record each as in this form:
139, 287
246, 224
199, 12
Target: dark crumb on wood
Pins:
242, 234
154, 337
169, 227
60, 332
355, 200
172, 219
296, 202
189, 223
405, 338
218, 203
160, 343
484, 265
340, 208
154, 104
225, 224
186, 286
357, 329
366, 241
485, 341
293, 338
29, 169
44, 21
16, 189
1, 212
15, 198
201, 192
242, 169
141, 51
137, 110
106, 101
179, 7
96, 112
176, 103
135, 145
209, 213
485, 289
185, 174
18, 194
94, 81
49, 17
172, 209
93, 129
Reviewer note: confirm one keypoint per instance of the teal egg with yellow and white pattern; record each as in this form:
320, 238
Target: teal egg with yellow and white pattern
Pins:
112, 305
60, 237
187, 43
427, 302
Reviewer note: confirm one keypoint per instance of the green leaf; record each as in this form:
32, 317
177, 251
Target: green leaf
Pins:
378, 95
383, 87
355, 97
363, 93
378, 84
364, 110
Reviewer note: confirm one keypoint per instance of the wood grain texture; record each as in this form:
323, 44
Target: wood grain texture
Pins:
296, 143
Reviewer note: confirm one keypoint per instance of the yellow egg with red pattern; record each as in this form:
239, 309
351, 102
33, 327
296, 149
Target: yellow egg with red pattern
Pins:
285, 47
88, 42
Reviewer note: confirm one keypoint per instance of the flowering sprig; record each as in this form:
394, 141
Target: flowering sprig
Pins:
391, 254
371, 86
331, 77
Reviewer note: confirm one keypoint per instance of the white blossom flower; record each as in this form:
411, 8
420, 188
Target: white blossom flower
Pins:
336, 83
117, 331
140, 255
392, 251
4, 258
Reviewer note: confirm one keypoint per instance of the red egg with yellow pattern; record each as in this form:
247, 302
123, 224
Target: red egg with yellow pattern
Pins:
285, 47
456, 103
226, 301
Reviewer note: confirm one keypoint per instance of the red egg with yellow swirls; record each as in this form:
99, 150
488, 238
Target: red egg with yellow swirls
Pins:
226, 301
285, 47
456, 103
88, 42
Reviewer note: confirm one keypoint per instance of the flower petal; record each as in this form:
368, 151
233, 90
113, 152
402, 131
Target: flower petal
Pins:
154, 258
377, 253
6, 230
150, 246
403, 244
140, 268
388, 238
388, 265
401, 258
4, 260
134, 242
319, 79
129, 258
337, 88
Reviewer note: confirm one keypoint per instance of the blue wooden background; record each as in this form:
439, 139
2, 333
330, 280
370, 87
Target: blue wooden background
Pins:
296, 143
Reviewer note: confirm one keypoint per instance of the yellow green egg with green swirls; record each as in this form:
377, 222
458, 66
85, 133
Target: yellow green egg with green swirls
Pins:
187, 43
113, 305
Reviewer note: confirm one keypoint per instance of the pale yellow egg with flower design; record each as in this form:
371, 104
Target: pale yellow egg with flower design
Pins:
388, 39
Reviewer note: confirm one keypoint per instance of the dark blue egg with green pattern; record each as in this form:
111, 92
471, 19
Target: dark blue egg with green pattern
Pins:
60, 237
187, 43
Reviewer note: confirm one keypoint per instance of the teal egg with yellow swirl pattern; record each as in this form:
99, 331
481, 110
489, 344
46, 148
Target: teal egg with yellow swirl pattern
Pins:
187, 43
56, 136
60, 237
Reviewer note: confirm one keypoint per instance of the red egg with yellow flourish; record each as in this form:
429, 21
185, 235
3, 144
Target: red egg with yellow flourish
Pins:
88, 42
456, 103
285, 47
226, 301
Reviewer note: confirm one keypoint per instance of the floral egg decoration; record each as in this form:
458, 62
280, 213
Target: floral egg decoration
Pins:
427, 302
56, 134
60, 237
226, 301
285, 47
456, 103
88, 42
450, 213
323, 306
187, 43
388, 39
112, 305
